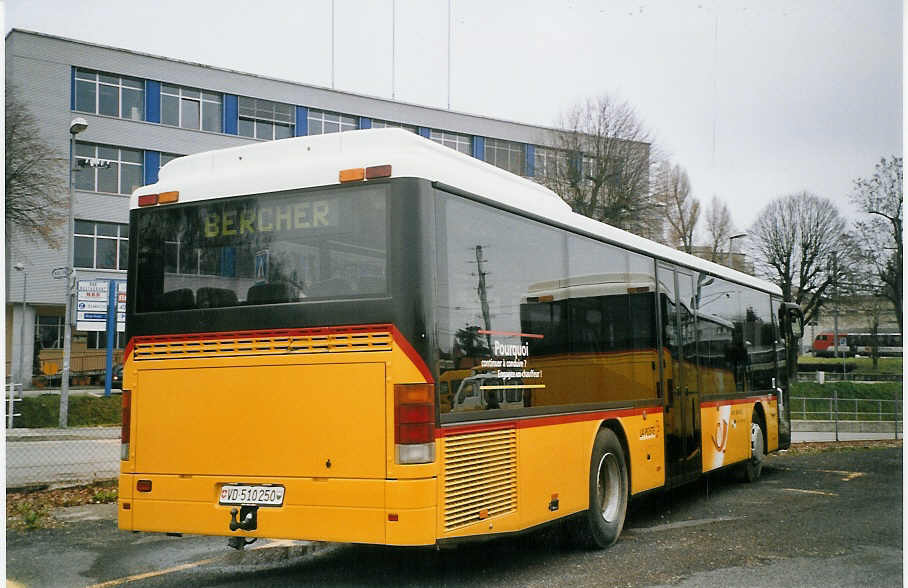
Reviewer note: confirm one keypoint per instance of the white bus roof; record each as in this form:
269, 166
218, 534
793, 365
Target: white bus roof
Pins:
305, 162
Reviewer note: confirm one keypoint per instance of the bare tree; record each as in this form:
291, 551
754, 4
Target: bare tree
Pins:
880, 231
35, 177
600, 164
795, 237
681, 209
718, 228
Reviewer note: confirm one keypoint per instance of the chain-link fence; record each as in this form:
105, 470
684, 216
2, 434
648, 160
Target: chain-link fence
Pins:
47, 456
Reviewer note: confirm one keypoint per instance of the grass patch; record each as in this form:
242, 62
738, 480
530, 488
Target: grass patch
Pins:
33, 509
857, 402
84, 411
855, 365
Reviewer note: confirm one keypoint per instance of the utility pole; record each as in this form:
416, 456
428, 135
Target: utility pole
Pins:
77, 125
835, 306
481, 290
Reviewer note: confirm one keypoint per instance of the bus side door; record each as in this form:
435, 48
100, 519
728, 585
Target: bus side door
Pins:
682, 404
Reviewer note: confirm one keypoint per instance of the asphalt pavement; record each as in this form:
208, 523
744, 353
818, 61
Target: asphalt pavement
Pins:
814, 519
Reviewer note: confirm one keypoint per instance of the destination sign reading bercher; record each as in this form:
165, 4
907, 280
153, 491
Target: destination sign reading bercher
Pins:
268, 219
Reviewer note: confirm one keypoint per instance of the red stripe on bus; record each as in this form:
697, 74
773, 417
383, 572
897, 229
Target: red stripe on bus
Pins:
264, 333
129, 347
748, 400
412, 354
545, 421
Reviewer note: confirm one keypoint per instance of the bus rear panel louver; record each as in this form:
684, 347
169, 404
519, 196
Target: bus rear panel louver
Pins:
480, 477
263, 345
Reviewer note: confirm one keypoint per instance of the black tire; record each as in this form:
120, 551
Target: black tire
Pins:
601, 524
753, 467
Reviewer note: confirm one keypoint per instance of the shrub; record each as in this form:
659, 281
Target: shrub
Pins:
84, 411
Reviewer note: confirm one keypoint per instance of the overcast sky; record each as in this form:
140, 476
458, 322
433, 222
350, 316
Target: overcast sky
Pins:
755, 99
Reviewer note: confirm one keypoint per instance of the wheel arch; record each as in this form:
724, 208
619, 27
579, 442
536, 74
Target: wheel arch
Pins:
617, 428
761, 414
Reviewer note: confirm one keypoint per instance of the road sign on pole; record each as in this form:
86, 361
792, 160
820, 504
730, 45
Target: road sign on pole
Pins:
91, 305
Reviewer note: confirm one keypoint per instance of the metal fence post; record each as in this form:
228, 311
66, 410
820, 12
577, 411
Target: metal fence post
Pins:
11, 389
835, 400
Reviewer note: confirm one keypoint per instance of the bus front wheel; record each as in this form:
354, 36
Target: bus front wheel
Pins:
602, 523
753, 467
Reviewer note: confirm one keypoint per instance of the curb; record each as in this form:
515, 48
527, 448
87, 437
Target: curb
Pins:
69, 434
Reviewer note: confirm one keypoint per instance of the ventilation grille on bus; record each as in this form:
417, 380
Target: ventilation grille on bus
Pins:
316, 343
480, 476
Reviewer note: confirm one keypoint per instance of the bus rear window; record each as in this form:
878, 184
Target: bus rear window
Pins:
264, 249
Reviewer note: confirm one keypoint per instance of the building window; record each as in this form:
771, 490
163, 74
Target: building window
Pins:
506, 155
98, 340
183, 258
50, 332
167, 158
549, 162
191, 108
105, 168
456, 141
387, 124
264, 119
110, 94
101, 245
322, 122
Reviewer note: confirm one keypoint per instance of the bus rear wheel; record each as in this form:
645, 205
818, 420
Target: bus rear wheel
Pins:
601, 525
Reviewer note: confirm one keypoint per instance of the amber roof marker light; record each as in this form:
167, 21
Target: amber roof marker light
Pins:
355, 174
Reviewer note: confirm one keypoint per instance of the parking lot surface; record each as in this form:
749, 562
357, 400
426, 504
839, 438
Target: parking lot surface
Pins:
827, 519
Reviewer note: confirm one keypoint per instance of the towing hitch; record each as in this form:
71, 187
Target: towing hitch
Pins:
248, 518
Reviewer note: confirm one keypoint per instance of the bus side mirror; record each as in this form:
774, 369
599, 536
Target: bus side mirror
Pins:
793, 319
797, 324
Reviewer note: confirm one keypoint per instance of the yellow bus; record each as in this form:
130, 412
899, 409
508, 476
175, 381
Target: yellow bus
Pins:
303, 316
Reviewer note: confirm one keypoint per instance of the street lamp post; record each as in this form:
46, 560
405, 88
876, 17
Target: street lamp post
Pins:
77, 125
21, 268
731, 242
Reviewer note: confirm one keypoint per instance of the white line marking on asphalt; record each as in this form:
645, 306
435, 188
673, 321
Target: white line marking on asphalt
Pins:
178, 568
846, 476
803, 491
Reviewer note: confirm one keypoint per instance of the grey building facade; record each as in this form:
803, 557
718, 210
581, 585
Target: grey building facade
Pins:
143, 110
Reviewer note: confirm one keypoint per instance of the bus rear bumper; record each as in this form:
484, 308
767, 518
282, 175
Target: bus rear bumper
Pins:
389, 512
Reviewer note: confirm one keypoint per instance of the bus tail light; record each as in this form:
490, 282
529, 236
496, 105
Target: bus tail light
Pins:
414, 423
124, 431
378, 171
148, 200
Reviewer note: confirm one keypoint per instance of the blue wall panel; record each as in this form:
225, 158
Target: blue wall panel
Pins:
479, 147
153, 102
424, 132
302, 121
231, 114
531, 160
365, 122
152, 164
